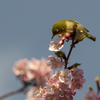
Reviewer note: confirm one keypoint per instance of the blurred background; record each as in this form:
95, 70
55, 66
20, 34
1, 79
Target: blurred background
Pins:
26, 30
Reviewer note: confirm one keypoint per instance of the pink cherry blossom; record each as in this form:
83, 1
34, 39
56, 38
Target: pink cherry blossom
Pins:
20, 69
59, 86
77, 84
59, 77
54, 45
30, 70
65, 76
54, 63
98, 97
90, 96
65, 98
42, 92
77, 73
30, 95
63, 86
65, 94
41, 70
53, 80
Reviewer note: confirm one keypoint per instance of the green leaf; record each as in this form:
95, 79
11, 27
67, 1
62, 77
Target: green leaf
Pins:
74, 65
60, 54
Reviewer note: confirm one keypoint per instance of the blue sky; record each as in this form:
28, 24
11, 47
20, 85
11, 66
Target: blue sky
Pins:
26, 30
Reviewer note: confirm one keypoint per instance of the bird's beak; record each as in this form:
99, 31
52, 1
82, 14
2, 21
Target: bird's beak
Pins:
52, 36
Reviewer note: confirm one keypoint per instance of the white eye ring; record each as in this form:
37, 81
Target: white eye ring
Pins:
56, 30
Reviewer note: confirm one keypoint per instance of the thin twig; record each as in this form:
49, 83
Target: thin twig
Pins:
72, 45
12, 93
66, 60
97, 91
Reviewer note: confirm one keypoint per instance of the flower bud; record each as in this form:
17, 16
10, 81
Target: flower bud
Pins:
60, 35
61, 42
67, 40
73, 92
67, 35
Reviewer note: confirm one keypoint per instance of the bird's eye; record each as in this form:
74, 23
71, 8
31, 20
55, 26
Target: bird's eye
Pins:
56, 30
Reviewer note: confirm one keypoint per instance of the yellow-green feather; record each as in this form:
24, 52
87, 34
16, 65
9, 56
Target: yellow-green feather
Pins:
62, 26
89, 35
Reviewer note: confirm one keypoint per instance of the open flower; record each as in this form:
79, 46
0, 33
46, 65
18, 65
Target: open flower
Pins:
54, 45
77, 73
65, 76
42, 92
53, 79
40, 69
30, 95
90, 96
77, 84
20, 69
32, 70
54, 63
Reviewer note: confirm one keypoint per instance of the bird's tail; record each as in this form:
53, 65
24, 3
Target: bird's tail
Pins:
91, 37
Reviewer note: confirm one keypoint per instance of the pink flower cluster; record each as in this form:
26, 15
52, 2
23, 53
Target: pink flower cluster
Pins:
65, 37
62, 85
77, 82
32, 70
91, 96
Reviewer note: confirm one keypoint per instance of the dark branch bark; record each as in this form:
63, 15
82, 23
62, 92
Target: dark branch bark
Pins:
12, 93
66, 60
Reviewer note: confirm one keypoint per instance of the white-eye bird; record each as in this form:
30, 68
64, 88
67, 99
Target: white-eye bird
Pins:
66, 26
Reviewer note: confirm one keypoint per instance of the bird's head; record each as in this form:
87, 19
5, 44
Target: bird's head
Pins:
59, 28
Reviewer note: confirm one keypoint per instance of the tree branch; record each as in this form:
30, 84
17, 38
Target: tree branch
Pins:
66, 60
72, 45
12, 93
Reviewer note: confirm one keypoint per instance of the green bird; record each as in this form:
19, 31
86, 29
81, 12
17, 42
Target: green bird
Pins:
67, 26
